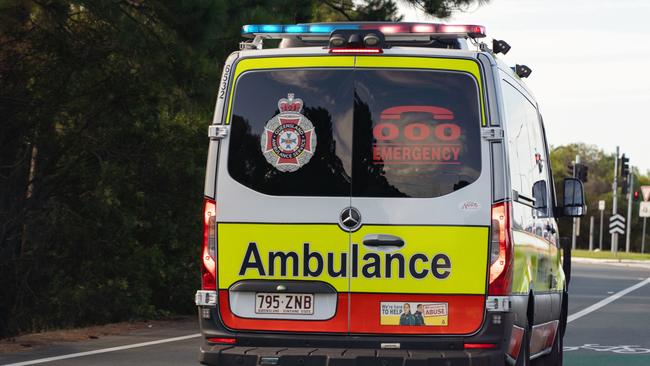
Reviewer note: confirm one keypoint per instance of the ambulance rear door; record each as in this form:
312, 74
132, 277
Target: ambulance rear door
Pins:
284, 174
420, 198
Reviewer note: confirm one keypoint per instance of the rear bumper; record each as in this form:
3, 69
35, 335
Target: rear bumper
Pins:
269, 348
225, 355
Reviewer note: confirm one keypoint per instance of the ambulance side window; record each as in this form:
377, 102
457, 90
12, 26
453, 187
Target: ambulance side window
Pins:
542, 163
527, 152
553, 197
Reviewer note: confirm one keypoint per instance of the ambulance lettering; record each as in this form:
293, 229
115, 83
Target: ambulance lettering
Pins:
371, 265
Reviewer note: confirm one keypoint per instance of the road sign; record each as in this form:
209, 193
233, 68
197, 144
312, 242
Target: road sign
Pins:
617, 217
601, 205
617, 224
645, 190
644, 209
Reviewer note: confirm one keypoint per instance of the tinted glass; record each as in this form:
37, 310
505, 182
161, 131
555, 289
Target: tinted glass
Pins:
416, 133
369, 133
327, 97
527, 153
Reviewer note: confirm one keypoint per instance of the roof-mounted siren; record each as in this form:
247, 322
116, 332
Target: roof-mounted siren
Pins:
356, 41
500, 46
522, 71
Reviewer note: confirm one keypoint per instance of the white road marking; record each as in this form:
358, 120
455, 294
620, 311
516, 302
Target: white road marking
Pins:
625, 349
103, 350
606, 301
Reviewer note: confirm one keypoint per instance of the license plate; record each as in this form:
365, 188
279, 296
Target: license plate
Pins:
275, 303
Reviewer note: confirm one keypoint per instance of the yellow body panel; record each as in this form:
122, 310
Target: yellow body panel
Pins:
466, 248
435, 259
234, 240
536, 263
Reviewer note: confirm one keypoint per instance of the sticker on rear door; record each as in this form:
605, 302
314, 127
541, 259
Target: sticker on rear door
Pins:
414, 313
417, 134
289, 138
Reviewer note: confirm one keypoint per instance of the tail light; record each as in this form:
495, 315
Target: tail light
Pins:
479, 345
209, 265
501, 251
222, 340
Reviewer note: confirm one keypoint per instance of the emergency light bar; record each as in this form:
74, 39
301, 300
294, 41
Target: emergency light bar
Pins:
323, 29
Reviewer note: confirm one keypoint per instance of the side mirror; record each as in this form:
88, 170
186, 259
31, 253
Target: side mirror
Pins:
540, 196
574, 198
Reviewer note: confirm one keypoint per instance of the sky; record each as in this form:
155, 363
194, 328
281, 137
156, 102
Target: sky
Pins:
590, 62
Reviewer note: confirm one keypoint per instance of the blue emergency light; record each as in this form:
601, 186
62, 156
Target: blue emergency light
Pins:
251, 29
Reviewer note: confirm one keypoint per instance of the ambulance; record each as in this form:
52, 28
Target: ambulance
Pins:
380, 194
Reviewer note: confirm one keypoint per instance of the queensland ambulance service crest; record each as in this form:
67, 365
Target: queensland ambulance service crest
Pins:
289, 138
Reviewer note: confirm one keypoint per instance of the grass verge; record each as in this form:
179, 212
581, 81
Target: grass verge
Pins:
609, 255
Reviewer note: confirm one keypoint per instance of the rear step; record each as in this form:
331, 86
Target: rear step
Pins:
224, 355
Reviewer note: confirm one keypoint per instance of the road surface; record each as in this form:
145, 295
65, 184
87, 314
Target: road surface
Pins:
609, 314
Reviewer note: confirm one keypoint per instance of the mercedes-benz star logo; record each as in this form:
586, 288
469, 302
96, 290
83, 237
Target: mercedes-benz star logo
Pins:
350, 219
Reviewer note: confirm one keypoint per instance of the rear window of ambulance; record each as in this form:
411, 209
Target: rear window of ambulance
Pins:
362, 132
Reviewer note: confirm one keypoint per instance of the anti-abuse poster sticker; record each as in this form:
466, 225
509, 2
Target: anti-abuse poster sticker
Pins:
414, 313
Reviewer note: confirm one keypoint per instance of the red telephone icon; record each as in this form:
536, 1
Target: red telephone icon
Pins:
438, 113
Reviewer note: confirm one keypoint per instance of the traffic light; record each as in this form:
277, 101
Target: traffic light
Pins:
569, 170
582, 172
625, 166
624, 184
636, 196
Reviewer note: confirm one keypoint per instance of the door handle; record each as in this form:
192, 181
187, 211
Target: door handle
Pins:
382, 240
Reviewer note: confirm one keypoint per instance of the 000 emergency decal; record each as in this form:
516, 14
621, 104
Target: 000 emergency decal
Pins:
399, 140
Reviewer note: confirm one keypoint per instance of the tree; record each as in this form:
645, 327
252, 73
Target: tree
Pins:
347, 10
385, 10
599, 187
443, 8
104, 107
